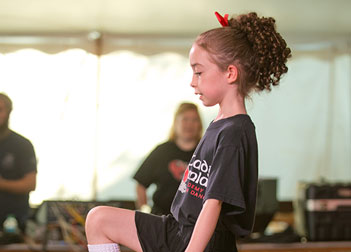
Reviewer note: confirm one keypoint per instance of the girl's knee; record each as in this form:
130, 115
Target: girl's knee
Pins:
95, 218
97, 213
106, 224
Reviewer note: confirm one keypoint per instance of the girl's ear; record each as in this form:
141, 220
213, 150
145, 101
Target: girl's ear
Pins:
232, 74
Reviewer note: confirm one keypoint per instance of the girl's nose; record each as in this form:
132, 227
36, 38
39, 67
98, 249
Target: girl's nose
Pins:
192, 83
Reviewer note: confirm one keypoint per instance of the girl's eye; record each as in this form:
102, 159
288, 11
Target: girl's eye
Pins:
197, 73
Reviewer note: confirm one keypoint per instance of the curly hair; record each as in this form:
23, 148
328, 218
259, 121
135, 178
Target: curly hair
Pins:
253, 45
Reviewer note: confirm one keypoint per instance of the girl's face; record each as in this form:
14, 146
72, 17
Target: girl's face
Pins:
208, 81
187, 125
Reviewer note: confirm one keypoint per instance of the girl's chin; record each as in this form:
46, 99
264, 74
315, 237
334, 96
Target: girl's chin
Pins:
207, 104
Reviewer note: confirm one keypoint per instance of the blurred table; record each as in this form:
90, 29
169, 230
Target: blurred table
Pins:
254, 247
290, 247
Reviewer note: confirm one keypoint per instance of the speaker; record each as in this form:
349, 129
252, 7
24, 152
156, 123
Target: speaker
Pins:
267, 204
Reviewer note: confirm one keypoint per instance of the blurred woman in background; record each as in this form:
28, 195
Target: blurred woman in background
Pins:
165, 165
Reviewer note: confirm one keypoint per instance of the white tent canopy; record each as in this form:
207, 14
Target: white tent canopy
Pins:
300, 21
331, 17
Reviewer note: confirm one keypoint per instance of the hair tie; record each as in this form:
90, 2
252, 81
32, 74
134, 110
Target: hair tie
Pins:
222, 20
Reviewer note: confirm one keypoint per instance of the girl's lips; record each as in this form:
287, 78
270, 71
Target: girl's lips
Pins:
199, 94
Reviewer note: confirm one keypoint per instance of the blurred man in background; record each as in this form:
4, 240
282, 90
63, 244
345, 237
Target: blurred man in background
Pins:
18, 169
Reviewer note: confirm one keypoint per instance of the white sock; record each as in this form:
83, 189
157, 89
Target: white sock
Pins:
107, 247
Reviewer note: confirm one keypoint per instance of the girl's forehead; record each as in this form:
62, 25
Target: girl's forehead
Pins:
198, 56
196, 50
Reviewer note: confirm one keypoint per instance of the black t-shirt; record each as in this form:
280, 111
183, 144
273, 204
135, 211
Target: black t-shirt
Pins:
17, 158
164, 167
224, 167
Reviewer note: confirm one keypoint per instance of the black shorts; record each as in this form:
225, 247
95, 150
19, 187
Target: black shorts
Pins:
164, 234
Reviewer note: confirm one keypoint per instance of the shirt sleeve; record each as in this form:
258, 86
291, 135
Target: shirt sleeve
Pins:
146, 174
226, 179
27, 161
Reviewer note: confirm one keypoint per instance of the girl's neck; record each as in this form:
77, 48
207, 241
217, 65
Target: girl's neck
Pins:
233, 107
185, 144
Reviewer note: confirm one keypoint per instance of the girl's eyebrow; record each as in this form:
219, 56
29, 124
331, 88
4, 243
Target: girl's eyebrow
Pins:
195, 65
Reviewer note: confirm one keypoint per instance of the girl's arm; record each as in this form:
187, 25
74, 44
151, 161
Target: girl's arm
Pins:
205, 225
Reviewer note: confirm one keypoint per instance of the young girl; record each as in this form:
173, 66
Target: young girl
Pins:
215, 202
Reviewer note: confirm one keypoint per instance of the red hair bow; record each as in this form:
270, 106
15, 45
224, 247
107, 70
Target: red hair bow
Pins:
222, 20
